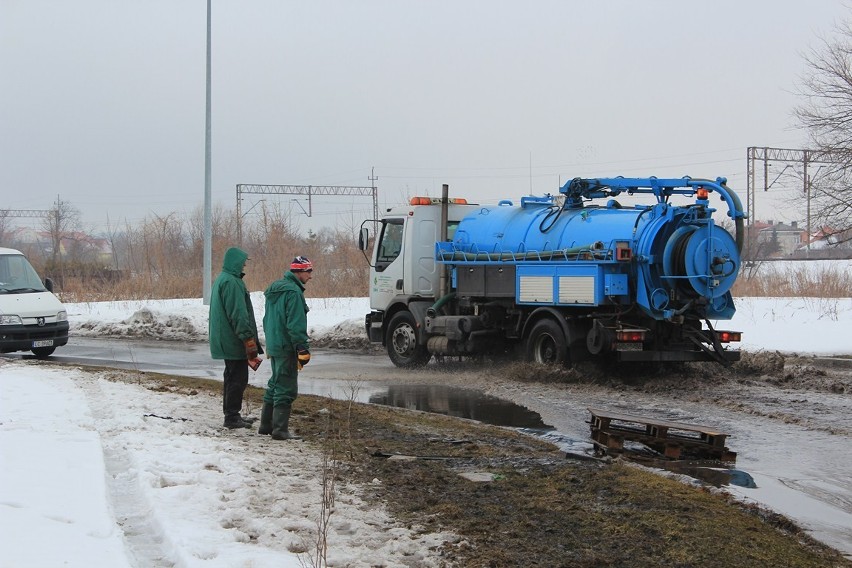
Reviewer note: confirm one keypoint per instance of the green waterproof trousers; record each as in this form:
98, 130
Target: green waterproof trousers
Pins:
283, 386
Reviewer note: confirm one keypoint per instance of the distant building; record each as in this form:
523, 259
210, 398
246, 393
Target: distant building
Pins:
769, 239
76, 246
827, 243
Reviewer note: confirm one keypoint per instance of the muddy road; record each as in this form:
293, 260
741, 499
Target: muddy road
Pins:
788, 419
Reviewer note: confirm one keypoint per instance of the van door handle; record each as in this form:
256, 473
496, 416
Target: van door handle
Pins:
399, 284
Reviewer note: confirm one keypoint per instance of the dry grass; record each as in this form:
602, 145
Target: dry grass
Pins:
334, 277
347, 275
161, 257
785, 280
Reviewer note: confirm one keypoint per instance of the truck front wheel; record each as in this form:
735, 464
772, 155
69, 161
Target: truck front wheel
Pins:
403, 347
546, 344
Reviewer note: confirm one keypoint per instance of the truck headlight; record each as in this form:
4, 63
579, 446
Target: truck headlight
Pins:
62, 316
10, 320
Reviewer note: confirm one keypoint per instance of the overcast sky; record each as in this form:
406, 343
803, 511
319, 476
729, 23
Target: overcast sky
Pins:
103, 101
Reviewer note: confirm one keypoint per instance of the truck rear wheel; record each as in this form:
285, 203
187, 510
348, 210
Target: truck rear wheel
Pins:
402, 342
546, 344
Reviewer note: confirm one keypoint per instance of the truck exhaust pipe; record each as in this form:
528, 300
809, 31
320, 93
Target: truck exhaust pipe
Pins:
443, 286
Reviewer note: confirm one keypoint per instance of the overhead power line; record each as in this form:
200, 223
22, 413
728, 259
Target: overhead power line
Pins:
309, 191
771, 158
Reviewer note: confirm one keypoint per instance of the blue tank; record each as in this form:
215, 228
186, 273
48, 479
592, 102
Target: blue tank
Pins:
668, 259
540, 226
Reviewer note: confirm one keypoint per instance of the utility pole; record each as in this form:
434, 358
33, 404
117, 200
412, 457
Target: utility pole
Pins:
807, 179
373, 179
208, 207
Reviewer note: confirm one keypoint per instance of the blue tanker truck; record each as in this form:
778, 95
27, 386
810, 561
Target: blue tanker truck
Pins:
559, 278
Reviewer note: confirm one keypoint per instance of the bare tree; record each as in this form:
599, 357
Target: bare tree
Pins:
826, 114
116, 242
5, 226
63, 220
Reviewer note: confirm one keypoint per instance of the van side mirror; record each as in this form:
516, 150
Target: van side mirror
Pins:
48, 283
363, 239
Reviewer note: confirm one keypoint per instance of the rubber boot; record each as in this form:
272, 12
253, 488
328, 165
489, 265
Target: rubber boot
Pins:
281, 423
237, 422
265, 419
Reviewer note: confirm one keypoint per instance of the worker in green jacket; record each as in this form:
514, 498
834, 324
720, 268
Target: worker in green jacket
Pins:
233, 334
285, 323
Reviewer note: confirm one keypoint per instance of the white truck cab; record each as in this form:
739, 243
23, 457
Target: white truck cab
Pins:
31, 317
405, 279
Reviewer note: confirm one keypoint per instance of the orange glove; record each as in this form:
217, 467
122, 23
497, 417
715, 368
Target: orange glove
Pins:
251, 348
303, 357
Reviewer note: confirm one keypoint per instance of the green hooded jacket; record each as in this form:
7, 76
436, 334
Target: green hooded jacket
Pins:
231, 319
285, 321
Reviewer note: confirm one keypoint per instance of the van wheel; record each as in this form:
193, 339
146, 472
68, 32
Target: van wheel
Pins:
546, 344
402, 342
43, 352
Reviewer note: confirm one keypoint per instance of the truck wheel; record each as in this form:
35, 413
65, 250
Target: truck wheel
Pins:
546, 344
403, 348
43, 352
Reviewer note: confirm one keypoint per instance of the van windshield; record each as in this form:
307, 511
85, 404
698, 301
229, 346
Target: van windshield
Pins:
17, 276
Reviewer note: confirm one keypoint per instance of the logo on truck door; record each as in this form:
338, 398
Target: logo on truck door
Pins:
383, 284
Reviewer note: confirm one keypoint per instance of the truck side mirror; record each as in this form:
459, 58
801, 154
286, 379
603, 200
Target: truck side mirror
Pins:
48, 283
363, 239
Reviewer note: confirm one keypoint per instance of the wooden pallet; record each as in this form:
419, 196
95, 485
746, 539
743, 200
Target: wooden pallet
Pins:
674, 440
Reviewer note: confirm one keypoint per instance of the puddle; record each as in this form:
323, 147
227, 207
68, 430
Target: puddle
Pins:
471, 404
474, 405
461, 403
713, 473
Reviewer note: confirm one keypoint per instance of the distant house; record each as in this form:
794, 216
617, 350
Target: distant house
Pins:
73, 246
827, 243
772, 240
81, 246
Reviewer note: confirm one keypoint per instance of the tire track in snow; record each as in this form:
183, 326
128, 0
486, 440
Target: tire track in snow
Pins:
144, 537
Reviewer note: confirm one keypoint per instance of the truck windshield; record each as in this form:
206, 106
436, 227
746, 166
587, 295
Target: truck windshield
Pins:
17, 275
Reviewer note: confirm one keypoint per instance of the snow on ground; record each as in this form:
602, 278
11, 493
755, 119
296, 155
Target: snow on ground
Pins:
109, 474
805, 326
187, 319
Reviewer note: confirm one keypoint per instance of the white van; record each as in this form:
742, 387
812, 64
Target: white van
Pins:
31, 317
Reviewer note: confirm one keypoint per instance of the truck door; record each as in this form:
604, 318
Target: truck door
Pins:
421, 273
